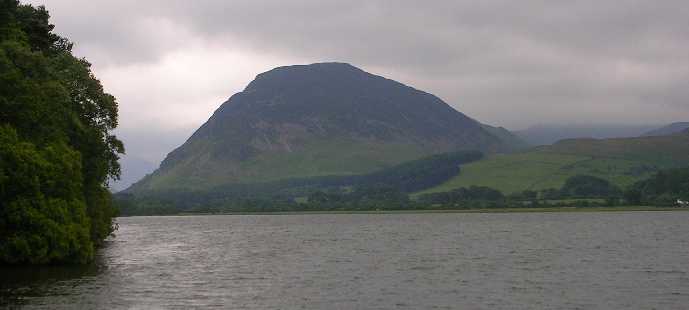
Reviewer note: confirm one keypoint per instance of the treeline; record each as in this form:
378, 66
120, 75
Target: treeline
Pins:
664, 188
355, 199
56, 152
286, 194
578, 191
575, 187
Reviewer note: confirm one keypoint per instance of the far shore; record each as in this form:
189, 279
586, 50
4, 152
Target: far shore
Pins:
491, 210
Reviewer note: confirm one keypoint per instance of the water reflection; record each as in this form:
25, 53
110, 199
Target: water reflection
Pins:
20, 284
417, 261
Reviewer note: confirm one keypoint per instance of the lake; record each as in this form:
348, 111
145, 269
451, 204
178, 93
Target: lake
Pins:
597, 260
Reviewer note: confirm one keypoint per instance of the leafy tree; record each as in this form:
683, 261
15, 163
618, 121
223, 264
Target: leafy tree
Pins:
524, 195
664, 188
585, 186
463, 195
56, 150
551, 193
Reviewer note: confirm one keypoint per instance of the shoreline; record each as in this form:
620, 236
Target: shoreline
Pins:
440, 211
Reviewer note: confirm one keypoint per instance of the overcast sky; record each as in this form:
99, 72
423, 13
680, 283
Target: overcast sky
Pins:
171, 63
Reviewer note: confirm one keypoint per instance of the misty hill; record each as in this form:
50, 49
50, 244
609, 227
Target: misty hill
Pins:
622, 161
318, 120
133, 170
669, 129
549, 134
508, 138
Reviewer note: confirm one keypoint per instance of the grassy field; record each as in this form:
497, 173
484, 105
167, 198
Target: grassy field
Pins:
621, 161
542, 170
320, 158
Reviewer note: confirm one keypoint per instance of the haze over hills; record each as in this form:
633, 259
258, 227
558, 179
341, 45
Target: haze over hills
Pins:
549, 134
669, 129
510, 139
133, 170
318, 120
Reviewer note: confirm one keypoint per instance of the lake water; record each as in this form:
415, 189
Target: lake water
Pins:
619, 260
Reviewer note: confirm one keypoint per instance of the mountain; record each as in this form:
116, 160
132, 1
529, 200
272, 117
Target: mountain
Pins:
669, 129
317, 120
622, 161
549, 134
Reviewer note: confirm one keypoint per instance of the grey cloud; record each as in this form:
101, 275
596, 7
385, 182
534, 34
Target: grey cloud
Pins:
527, 49
523, 52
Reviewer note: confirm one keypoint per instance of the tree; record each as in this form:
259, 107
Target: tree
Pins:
664, 188
463, 195
526, 195
586, 186
56, 150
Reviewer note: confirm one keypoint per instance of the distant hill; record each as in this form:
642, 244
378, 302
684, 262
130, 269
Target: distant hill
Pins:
316, 120
549, 134
507, 137
621, 161
668, 130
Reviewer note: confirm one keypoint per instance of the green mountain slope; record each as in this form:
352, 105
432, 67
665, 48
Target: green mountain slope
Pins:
317, 120
622, 161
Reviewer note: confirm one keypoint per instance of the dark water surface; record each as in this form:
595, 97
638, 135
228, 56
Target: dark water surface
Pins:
634, 260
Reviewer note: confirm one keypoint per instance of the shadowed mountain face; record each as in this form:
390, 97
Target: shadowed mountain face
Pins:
314, 120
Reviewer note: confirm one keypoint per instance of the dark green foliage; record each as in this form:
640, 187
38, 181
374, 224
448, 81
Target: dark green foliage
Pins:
360, 198
485, 197
56, 153
585, 186
43, 210
551, 193
463, 195
527, 195
664, 188
420, 174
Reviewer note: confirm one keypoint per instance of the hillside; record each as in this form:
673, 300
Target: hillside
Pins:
317, 120
549, 134
622, 161
507, 137
397, 180
668, 130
